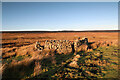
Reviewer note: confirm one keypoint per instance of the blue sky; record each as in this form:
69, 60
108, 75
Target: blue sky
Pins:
59, 16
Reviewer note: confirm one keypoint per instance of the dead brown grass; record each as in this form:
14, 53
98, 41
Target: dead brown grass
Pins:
23, 44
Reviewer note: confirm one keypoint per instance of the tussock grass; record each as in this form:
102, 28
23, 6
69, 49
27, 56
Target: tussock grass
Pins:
98, 63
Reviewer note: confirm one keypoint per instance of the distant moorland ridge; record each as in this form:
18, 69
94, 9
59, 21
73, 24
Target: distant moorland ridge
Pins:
59, 31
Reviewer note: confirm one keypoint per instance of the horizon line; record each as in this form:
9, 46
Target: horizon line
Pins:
59, 30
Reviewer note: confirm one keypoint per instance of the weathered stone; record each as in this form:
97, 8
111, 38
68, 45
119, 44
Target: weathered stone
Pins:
75, 59
38, 46
77, 56
74, 64
66, 46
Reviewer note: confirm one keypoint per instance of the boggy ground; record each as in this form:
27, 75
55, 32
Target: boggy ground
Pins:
20, 57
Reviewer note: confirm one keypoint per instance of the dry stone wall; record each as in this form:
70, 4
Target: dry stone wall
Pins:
65, 46
61, 46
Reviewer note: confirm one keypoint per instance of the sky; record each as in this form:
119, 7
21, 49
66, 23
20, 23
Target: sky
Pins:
55, 16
